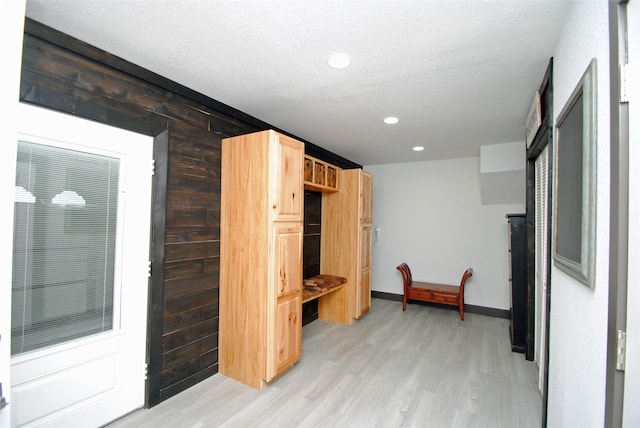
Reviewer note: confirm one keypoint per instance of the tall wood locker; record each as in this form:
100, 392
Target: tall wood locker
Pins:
346, 237
261, 238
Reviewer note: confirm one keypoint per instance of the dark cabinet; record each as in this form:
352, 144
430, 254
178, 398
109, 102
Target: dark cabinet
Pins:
517, 281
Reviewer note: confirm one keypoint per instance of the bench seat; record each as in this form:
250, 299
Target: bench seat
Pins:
433, 292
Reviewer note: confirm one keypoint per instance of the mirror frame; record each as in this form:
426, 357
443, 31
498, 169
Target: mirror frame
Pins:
574, 193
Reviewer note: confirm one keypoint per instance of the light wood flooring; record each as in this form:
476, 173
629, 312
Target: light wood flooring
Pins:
420, 368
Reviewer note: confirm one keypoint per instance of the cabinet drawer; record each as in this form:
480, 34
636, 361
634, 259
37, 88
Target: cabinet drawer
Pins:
419, 293
444, 298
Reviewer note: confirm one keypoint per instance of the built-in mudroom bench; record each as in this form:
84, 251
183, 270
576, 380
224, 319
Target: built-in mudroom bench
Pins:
331, 294
264, 180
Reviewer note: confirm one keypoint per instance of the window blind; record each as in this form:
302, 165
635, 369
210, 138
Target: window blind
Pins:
542, 237
66, 206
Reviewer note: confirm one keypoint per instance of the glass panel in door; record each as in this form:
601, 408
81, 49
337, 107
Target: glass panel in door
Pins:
64, 246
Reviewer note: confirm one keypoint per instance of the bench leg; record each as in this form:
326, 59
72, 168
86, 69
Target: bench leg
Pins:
461, 305
404, 302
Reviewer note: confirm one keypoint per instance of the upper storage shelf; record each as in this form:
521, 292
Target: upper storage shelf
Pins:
321, 176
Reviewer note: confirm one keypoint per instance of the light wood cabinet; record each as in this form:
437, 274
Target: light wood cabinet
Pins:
346, 237
366, 197
260, 256
364, 264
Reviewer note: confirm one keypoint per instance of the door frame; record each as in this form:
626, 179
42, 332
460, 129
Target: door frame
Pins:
156, 287
12, 20
68, 131
542, 139
619, 213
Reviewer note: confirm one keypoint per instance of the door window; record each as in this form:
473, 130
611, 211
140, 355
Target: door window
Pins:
65, 224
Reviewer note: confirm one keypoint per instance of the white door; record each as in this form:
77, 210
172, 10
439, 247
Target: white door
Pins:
12, 24
631, 409
80, 271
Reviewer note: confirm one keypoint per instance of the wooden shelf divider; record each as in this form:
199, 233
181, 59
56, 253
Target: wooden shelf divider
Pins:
321, 176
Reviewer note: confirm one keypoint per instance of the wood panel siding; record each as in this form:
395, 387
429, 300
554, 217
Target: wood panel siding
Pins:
311, 248
312, 231
68, 75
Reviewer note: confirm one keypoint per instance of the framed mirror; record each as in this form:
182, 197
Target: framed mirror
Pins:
574, 201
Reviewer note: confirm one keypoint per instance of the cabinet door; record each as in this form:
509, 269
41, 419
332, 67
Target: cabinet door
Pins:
288, 196
364, 292
366, 197
285, 331
288, 337
365, 246
363, 295
287, 258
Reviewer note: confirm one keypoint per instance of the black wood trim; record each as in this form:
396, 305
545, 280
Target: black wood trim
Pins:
156, 293
327, 156
490, 312
547, 326
472, 309
386, 296
188, 382
543, 138
55, 37
516, 348
546, 92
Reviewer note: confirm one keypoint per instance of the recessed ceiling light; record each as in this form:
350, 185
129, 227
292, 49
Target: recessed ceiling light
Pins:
418, 148
391, 120
339, 60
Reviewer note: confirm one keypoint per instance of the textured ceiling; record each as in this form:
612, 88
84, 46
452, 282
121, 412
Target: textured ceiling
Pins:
458, 74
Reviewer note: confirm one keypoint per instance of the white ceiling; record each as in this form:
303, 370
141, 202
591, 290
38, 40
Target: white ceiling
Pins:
458, 74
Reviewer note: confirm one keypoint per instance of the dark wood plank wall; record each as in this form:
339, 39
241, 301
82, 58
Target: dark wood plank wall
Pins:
65, 74
311, 248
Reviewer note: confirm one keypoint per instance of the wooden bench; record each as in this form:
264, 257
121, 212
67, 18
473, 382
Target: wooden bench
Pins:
432, 292
331, 292
320, 285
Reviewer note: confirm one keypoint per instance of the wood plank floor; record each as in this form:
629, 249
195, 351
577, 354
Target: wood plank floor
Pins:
420, 368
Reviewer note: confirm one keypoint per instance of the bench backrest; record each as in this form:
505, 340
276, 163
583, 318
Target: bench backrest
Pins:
407, 278
467, 274
406, 275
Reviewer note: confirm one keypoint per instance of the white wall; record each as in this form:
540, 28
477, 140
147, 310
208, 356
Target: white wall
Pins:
429, 215
578, 335
502, 173
503, 157
12, 27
